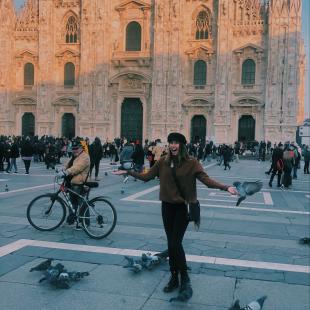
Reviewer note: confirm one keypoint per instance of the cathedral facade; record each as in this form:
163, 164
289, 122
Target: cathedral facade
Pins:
224, 70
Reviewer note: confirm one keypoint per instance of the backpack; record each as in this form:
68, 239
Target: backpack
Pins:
280, 164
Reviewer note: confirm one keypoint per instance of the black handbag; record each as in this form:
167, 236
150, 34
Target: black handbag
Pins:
193, 207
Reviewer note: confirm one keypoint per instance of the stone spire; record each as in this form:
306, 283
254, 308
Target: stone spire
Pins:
28, 17
7, 12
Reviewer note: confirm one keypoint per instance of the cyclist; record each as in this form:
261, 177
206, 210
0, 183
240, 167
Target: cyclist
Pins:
77, 171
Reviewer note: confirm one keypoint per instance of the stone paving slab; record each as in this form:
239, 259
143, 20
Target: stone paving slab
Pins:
281, 296
208, 290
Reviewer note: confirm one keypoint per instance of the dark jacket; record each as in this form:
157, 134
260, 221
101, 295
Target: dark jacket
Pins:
138, 155
95, 151
276, 155
14, 151
186, 173
26, 149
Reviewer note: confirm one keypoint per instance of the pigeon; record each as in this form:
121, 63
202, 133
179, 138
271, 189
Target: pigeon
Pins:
304, 240
253, 305
133, 265
77, 276
247, 189
52, 273
147, 261
42, 266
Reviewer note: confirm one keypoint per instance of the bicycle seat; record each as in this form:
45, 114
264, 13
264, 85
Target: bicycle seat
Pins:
91, 184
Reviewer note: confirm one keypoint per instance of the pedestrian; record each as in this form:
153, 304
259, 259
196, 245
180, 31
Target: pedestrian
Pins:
174, 207
13, 155
306, 155
288, 162
226, 156
27, 153
277, 164
95, 154
138, 157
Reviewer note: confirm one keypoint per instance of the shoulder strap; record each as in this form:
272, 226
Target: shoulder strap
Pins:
177, 182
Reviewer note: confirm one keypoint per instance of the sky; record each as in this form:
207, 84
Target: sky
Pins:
305, 34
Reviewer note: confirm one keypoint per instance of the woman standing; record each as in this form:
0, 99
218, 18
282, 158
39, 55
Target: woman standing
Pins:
27, 153
174, 208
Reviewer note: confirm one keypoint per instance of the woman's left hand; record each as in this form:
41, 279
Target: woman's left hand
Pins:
232, 190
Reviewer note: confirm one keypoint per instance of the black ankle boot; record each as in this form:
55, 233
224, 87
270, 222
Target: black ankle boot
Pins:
186, 291
173, 282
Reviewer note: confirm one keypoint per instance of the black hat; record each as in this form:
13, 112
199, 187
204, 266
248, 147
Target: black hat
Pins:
177, 137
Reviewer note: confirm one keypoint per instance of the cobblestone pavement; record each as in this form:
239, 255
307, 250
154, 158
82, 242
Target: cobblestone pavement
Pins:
239, 252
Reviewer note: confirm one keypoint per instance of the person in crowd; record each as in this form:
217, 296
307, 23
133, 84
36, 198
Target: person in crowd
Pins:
237, 150
27, 153
138, 157
174, 207
288, 162
297, 158
95, 154
277, 164
226, 156
13, 155
126, 153
306, 155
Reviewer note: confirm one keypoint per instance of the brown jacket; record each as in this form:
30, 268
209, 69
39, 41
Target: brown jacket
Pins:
80, 168
186, 173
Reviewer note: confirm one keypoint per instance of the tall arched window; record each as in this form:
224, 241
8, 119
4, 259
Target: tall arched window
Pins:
29, 74
72, 30
200, 73
203, 25
248, 72
133, 37
69, 76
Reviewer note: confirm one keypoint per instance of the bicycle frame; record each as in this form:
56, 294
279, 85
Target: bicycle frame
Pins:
64, 190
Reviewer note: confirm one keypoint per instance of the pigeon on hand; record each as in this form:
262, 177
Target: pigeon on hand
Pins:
253, 305
42, 266
247, 189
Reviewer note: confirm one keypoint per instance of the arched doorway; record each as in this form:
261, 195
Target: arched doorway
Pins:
28, 124
68, 125
132, 119
198, 128
246, 129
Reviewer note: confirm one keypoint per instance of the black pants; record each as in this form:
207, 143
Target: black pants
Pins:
76, 200
96, 164
306, 167
274, 172
27, 165
175, 220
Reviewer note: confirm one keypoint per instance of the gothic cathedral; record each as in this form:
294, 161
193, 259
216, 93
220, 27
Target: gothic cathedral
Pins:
224, 70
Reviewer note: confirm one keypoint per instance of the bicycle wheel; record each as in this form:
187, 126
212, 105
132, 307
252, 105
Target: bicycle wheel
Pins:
46, 213
99, 219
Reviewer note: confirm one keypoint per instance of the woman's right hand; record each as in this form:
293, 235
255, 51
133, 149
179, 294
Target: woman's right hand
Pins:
120, 172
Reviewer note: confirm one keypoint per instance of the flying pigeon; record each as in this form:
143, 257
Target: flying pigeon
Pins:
247, 189
42, 266
253, 305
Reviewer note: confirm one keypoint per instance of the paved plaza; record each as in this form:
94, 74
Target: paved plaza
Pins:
240, 252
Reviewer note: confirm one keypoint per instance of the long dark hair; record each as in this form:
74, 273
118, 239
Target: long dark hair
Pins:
182, 154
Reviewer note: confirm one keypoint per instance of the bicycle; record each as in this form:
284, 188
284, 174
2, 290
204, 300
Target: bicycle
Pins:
48, 211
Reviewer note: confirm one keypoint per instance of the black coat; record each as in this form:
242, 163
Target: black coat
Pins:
95, 152
26, 149
14, 151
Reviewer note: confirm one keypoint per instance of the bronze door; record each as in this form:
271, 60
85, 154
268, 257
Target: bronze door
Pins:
132, 119
246, 130
68, 125
198, 129
28, 124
